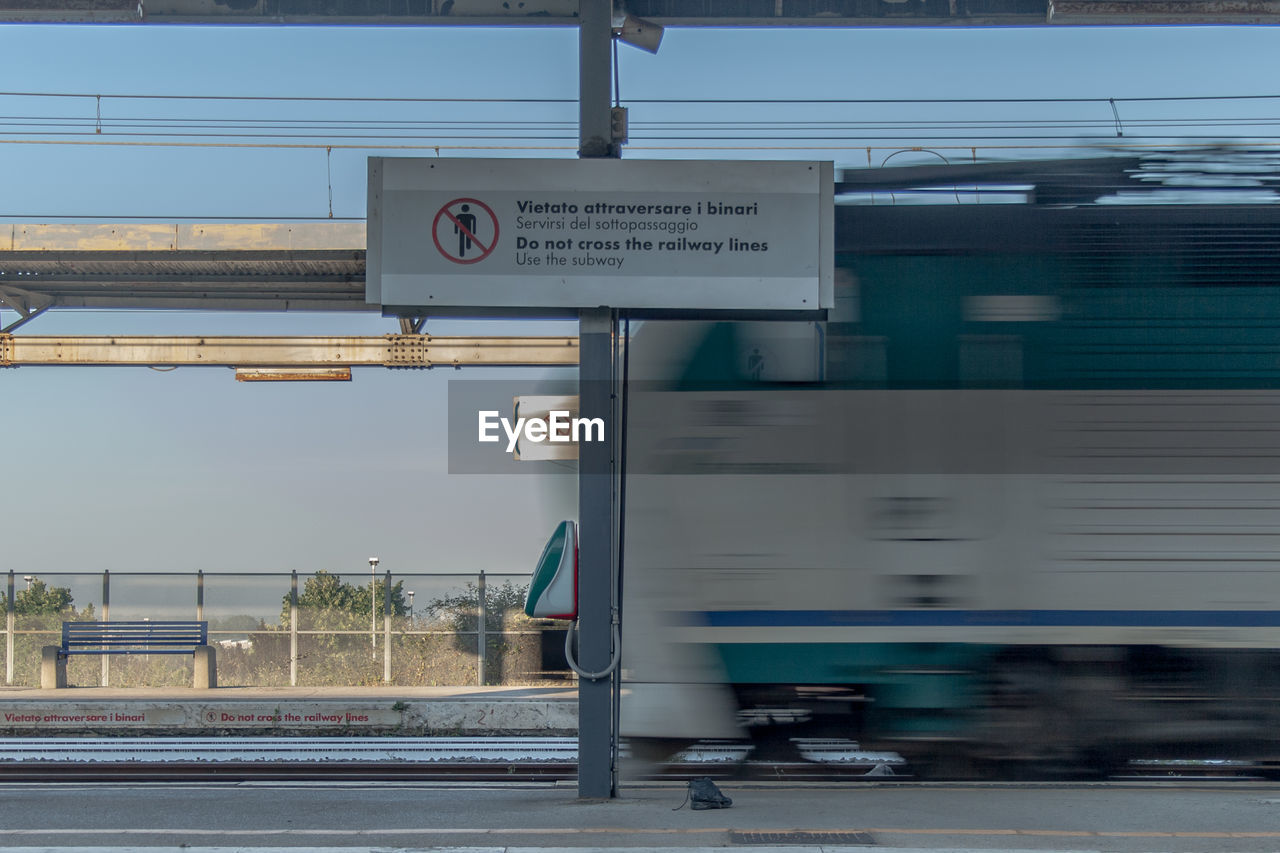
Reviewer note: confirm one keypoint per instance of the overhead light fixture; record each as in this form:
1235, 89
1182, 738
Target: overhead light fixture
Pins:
637, 32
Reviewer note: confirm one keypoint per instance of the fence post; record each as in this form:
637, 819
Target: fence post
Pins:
482, 639
293, 629
200, 595
106, 616
386, 628
9, 612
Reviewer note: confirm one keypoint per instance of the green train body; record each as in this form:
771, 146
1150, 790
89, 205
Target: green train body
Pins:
1017, 500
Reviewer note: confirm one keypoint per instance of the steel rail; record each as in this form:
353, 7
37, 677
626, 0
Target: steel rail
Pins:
422, 759
481, 759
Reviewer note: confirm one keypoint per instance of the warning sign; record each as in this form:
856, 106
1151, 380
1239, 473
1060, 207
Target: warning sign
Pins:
465, 231
687, 236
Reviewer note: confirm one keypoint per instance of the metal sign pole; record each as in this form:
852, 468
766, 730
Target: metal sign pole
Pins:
544, 238
596, 728
595, 559
595, 73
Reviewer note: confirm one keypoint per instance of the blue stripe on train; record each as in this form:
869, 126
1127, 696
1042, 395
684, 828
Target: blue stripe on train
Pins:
992, 618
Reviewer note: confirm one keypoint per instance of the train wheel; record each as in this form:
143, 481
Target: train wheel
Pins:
1029, 730
951, 763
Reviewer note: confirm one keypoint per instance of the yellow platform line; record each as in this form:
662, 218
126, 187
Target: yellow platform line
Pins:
1069, 833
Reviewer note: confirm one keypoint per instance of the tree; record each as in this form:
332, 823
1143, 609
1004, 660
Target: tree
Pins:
504, 605
344, 604
39, 598
462, 611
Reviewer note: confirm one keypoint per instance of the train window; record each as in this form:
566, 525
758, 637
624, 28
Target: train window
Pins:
919, 590
1012, 308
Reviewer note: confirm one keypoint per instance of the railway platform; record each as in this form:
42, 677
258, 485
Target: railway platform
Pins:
766, 817
247, 711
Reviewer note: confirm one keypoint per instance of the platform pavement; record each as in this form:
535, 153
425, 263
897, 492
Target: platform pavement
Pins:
546, 817
403, 710
825, 848
380, 848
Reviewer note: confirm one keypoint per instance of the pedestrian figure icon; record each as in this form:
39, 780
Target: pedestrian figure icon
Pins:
464, 225
755, 363
465, 231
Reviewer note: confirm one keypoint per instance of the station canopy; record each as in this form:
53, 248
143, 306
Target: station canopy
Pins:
721, 13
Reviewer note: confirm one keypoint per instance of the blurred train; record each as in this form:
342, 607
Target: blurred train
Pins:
1015, 507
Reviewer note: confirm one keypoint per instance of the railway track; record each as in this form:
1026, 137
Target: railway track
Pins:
491, 759
267, 758
520, 759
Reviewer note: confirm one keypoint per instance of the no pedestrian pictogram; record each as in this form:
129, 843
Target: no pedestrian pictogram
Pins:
465, 230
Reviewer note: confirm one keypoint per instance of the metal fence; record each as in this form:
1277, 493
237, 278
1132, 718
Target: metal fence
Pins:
416, 628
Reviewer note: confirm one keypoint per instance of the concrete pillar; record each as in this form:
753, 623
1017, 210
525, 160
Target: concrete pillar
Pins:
9, 626
386, 629
206, 676
293, 629
53, 668
482, 636
106, 617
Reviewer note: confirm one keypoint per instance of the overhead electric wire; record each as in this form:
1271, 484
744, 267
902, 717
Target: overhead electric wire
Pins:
287, 128
790, 132
167, 218
982, 140
303, 146
1084, 124
177, 135
899, 144
574, 100
287, 98
673, 130
1078, 100
261, 124
922, 133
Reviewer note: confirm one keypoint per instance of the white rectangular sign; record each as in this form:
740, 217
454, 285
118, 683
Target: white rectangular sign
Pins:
551, 236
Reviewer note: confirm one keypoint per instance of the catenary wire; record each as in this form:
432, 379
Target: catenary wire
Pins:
574, 100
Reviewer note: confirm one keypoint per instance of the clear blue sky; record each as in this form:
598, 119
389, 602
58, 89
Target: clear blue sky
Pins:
135, 469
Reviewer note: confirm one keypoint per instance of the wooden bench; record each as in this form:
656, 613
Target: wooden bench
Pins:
130, 638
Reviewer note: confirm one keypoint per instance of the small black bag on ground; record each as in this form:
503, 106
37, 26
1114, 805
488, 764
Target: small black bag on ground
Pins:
703, 794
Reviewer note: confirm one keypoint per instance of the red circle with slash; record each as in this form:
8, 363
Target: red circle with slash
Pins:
465, 232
